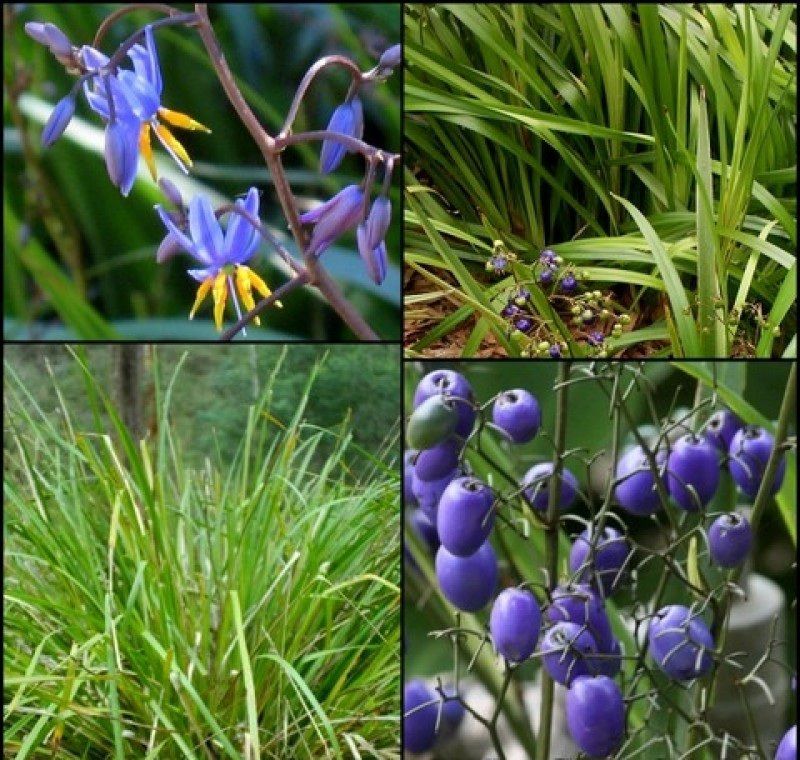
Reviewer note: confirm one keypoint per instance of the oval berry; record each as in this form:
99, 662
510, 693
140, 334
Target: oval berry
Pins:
749, 452
595, 715
465, 517
428, 493
537, 487
445, 381
438, 461
467, 582
729, 539
692, 472
516, 413
721, 427
425, 529
420, 710
432, 422
408, 476
680, 643
514, 624
601, 566
567, 650
635, 489
578, 603
787, 749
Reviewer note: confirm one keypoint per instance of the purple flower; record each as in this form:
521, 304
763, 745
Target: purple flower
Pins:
547, 257
58, 120
370, 236
391, 57
347, 119
497, 264
334, 217
121, 153
568, 283
50, 35
221, 256
595, 338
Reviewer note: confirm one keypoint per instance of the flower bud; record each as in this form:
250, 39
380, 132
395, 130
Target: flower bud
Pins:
59, 119
374, 258
380, 215
50, 35
334, 217
171, 192
121, 154
347, 119
391, 57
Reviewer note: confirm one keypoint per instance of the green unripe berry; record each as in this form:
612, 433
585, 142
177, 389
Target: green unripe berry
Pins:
543, 346
432, 422
616, 330
776, 331
576, 310
577, 320
519, 301
605, 313
558, 260
597, 294
587, 315
624, 319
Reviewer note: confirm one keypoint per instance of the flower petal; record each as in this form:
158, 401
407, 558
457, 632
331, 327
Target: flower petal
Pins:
143, 99
347, 119
145, 61
341, 216
186, 243
122, 153
170, 246
241, 238
205, 231
374, 258
380, 215
58, 121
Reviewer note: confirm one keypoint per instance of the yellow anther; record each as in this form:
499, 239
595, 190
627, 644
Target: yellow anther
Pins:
169, 141
245, 288
146, 149
177, 119
202, 292
220, 298
261, 287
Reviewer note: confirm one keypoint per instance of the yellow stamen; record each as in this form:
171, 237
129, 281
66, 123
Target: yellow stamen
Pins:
146, 149
177, 119
173, 144
220, 297
202, 292
261, 287
245, 288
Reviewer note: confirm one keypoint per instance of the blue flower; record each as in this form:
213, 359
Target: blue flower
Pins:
347, 119
370, 236
58, 120
136, 97
595, 338
222, 256
334, 217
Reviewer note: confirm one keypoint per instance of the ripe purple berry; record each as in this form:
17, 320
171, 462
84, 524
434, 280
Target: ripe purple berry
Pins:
425, 529
420, 710
596, 715
453, 384
680, 643
692, 472
567, 650
749, 452
428, 492
465, 516
729, 539
516, 413
579, 604
568, 283
514, 624
721, 427
603, 566
467, 582
537, 486
408, 476
523, 324
787, 749
635, 488
434, 463
546, 276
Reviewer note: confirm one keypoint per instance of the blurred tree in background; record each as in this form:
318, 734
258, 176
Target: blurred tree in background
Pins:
80, 259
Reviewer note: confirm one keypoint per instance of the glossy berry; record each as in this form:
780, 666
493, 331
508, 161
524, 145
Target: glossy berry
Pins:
749, 452
408, 476
432, 422
602, 566
635, 489
721, 427
537, 486
452, 711
546, 276
729, 539
523, 324
465, 517
420, 711
514, 624
569, 284
578, 603
467, 582
425, 529
428, 492
680, 643
453, 384
595, 715
692, 472
787, 749
516, 413
567, 650
436, 462
610, 663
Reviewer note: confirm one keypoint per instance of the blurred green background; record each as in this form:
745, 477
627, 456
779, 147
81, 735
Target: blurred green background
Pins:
761, 384
80, 259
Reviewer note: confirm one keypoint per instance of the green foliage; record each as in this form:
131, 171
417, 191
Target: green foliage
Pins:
653, 146
81, 258
247, 607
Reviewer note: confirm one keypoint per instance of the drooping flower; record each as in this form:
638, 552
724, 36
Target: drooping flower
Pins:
58, 120
334, 217
391, 57
370, 236
347, 119
136, 101
222, 256
50, 35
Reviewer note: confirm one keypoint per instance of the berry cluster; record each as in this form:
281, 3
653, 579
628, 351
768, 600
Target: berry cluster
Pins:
567, 625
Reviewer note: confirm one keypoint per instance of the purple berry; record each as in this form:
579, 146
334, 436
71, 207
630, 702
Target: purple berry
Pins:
555, 352
467, 582
579, 604
596, 715
537, 486
546, 276
452, 711
523, 324
601, 567
516, 413
465, 516
425, 529
610, 663
635, 489
729, 539
420, 711
787, 749
568, 283
692, 472
547, 256
595, 338
511, 310
567, 649
453, 384
721, 427
428, 492
408, 476
434, 463
514, 624
749, 452
680, 643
